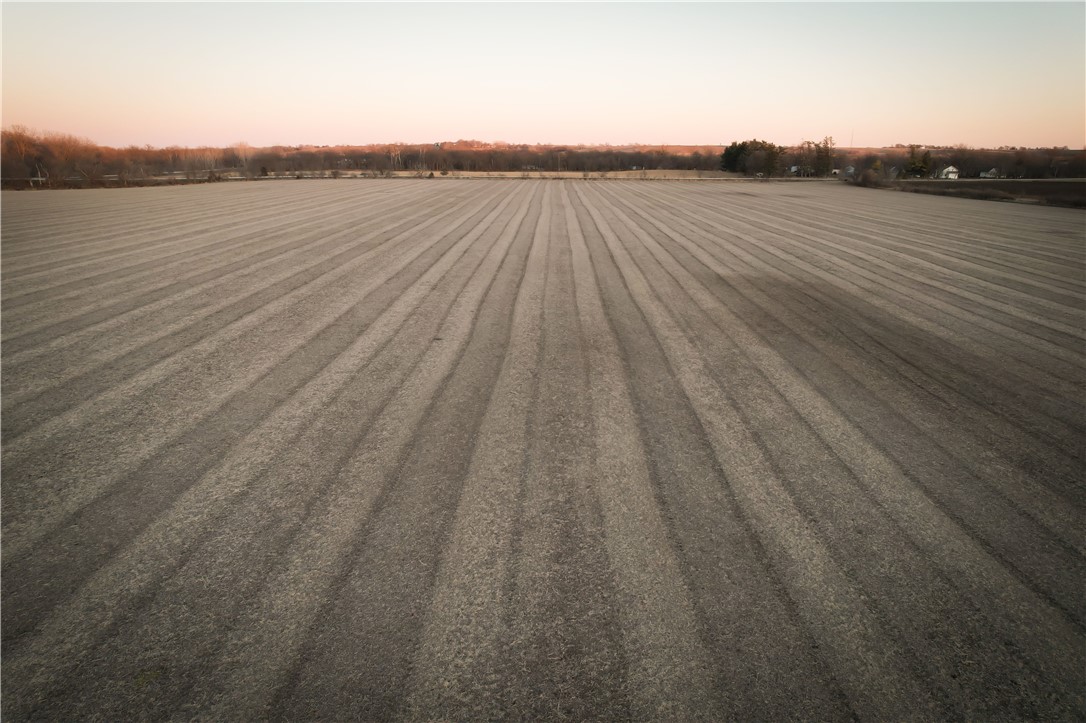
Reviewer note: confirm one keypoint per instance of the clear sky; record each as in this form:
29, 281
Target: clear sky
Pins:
984, 74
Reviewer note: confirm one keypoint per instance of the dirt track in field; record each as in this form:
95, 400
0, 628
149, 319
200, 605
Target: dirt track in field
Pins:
541, 449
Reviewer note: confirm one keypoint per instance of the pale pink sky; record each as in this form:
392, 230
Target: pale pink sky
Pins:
984, 74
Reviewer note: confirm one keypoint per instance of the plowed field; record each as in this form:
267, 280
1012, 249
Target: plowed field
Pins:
542, 449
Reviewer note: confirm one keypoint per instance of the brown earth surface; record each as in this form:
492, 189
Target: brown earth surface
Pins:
1070, 192
541, 449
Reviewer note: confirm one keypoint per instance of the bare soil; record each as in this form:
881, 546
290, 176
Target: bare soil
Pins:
541, 449
1069, 192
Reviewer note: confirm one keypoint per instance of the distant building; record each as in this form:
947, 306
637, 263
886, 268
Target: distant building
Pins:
994, 173
950, 172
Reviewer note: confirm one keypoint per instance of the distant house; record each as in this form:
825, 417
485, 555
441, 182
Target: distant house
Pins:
950, 172
994, 173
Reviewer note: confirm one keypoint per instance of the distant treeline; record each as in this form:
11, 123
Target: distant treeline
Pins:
822, 158
57, 160
916, 161
62, 159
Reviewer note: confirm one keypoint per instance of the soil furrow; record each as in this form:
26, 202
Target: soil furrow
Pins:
338, 329
747, 617
893, 575
849, 635
451, 449
260, 528
131, 578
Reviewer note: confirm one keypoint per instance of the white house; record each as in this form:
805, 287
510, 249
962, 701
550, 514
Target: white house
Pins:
949, 172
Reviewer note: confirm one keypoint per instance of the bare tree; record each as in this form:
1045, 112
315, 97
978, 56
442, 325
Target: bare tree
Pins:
68, 155
19, 143
244, 152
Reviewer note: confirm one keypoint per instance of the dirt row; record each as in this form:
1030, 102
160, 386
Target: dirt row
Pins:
541, 449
